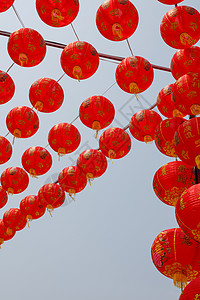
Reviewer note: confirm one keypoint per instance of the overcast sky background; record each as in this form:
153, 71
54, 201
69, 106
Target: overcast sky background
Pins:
98, 247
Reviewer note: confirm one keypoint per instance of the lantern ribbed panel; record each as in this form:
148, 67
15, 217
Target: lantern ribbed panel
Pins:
5, 150
51, 195
3, 197
31, 208
5, 5
7, 87
14, 180
191, 291
14, 220
4, 236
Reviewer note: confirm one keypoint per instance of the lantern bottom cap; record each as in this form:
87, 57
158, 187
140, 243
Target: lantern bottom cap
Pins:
197, 160
148, 139
186, 39
17, 133
133, 88
39, 105
177, 113
195, 109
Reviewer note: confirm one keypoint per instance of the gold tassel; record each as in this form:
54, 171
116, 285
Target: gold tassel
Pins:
180, 280
50, 209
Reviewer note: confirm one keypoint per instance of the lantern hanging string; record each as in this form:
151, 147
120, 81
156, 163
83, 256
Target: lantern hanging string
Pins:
20, 20
75, 32
10, 67
61, 77
6, 134
114, 62
130, 48
108, 89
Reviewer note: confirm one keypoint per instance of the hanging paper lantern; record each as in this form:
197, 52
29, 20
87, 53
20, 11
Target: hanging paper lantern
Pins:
5, 150
93, 163
46, 95
57, 13
191, 291
171, 180
180, 27
3, 197
4, 236
14, 220
22, 122
134, 74
36, 161
31, 208
186, 92
72, 180
5, 5
176, 256
117, 20
164, 135
51, 195
188, 212
64, 138
115, 143
187, 142
184, 61
79, 60
14, 180
96, 112
165, 103
26, 47
143, 125
7, 87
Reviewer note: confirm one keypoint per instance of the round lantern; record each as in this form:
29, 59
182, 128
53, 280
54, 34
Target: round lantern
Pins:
187, 142
14, 180
134, 74
22, 122
170, 2
117, 20
72, 180
64, 138
93, 163
5, 150
180, 27
14, 220
79, 60
3, 197
57, 13
51, 195
96, 112
165, 103
171, 180
186, 92
115, 143
164, 135
184, 61
188, 212
191, 291
5, 5
26, 47
143, 125
176, 256
7, 87
4, 236
46, 95
31, 208
36, 161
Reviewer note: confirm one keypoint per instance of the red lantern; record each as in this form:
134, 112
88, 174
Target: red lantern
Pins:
51, 195
117, 20
31, 208
170, 2
176, 256
134, 74
180, 27
165, 103
5, 5
46, 95
171, 180
115, 143
79, 60
92, 162
143, 125
22, 122
26, 47
7, 87
187, 142
184, 61
3, 233
188, 212
186, 92
3, 197
72, 180
36, 161
96, 112
14, 220
57, 13
14, 180
5, 150
191, 291
164, 135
